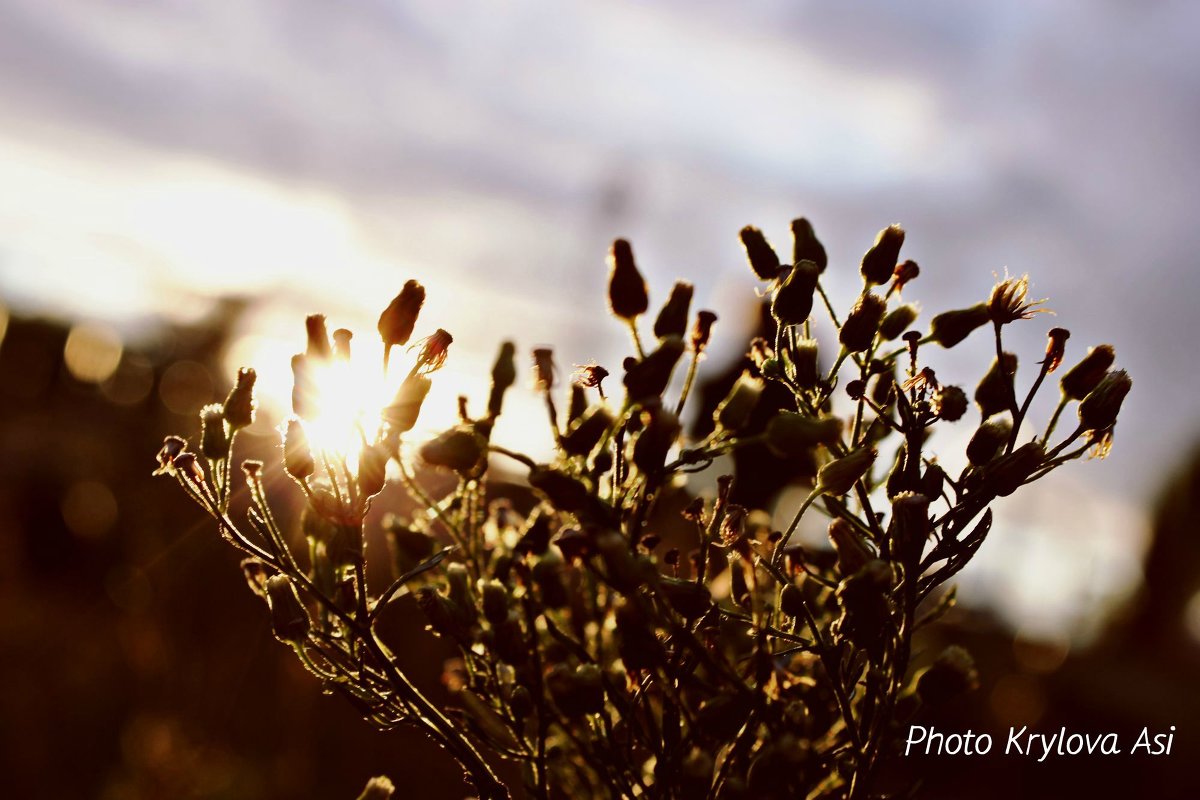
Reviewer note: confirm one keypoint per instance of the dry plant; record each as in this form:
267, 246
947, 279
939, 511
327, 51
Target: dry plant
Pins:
605, 664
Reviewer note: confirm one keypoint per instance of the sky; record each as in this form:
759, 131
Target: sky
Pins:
157, 156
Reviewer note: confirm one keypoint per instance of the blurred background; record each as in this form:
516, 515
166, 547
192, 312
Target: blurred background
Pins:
181, 183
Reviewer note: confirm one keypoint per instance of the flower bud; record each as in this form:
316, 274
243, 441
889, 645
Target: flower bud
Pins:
792, 300
378, 788
564, 492
650, 448
1056, 345
434, 350
504, 375
341, 344
879, 263
952, 674
904, 273
852, 551
214, 441
543, 368
897, 321
402, 414
289, 617
1081, 379
806, 246
734, 412
791, 601
458, 590
317, 348
520, 703
790, 435
1006, 473
909, 529
398, 319
762, 257
951, 403
637, 644
1099, 409
408, 546
444, 618
577, 403
805, 363
626, 288
702, 331
577, 692
951, 327
994, 392
860, 326
495, 602
690, 599
672, 320
297, 456
839, 476
987, 440
372, 469
587, 431
239, 405
459, 449
648, 378
172, 446
305, 392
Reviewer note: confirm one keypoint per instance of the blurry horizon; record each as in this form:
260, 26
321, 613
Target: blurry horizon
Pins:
310, 157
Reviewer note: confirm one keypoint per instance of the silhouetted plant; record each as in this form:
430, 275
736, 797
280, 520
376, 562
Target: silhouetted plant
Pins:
751, 667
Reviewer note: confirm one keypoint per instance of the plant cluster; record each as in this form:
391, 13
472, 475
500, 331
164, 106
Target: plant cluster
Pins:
603, 661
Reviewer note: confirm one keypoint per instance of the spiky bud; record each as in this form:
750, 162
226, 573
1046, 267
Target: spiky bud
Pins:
806, 363
1081, 379
239, 405
951, 327
761, 255
860, 326
806, 246
626, 288
1099, 409
214, 439
672, 320
951, 403
879, 263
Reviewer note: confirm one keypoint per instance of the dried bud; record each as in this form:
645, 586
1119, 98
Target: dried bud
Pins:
591, 376
860, 326
839, 476
790, 435
734, 412
952, 674
252, 468
402, 414
317, 348
909, 528
1056, 345
433, 352
852, 550
297, 455
543, 368
951, 327
879, 263
1081, 379
1008, 301
904, 273
239, 405
576, 403
648, 378
673, 318
626, 288
661, 429
763, 259
289, 617
994, 392
1099, 409
987, 440
702, 331
172, 446
184, 467
897, 321
791, 601
214, 440
305, 393
806, 246
504, 375
733, 525
951, 403
1006, 473
585, 433
805, 363
372, 469
792, 300
398, 319
459, 449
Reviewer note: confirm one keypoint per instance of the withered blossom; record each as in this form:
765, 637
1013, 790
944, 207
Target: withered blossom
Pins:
1009, 301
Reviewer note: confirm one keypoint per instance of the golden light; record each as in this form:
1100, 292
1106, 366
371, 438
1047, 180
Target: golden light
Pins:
92, 352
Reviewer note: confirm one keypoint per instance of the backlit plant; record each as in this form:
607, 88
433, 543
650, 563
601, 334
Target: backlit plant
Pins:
606, 663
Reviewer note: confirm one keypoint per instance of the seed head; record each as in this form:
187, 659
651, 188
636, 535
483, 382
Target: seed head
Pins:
591, 376
951, 403
806, 246
1098, 411
879, 263
1009, 302
378, 788
763, 259
673, 318
626, 288
434, 349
